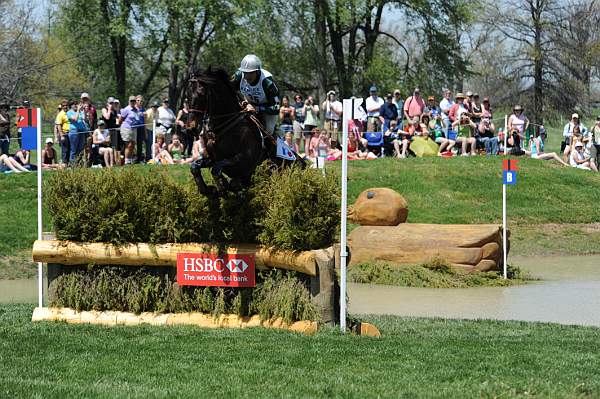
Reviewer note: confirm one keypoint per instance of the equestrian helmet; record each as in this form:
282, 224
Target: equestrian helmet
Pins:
250, 63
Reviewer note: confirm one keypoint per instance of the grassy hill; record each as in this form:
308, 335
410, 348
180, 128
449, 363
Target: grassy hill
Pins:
552, 209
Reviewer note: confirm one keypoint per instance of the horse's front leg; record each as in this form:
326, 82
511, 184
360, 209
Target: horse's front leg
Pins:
196, 170
217, 174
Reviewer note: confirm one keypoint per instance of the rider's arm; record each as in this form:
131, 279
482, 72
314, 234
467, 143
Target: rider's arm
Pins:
271, 107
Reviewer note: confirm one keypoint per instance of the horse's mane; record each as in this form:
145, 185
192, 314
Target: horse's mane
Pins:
212, 77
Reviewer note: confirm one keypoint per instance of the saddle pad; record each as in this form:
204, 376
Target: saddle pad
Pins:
284, 151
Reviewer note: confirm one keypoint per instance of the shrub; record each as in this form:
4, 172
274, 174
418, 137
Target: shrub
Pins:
276, 294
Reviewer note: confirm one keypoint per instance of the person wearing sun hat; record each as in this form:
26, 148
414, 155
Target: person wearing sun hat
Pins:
579, 158
49, 155
456, 108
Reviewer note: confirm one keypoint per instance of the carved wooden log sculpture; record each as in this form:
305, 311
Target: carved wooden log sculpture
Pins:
468, 247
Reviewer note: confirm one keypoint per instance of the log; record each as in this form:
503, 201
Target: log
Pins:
141, 254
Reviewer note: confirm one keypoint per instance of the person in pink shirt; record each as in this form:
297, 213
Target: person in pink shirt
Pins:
414, 105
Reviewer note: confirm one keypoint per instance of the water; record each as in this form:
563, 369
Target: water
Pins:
568, 294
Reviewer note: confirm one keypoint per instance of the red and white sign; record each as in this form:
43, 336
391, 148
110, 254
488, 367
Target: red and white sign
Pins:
26, 117
227, 270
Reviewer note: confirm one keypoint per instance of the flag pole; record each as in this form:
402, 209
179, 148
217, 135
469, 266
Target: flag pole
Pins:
39, 203
504, 254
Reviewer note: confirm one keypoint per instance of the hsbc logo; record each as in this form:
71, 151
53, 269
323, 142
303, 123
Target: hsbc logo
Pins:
237, 266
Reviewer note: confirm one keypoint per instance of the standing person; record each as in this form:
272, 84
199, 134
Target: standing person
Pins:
140, 129
101, 143
445, 106
457, 108
476, 109
414, 106
399, 103
151, 118
310, 111
518, 122
287, 114
110, 116
299, 120
388, 112
77, 130
183, 124
373, 105
565, 146
595, 147
4, 129
332, 109
91, 115
62, 127
259, 89
128, 119
486, 109
432, 108
166, 119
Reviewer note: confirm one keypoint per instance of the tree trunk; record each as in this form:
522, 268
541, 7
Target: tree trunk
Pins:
321, 43
538, 68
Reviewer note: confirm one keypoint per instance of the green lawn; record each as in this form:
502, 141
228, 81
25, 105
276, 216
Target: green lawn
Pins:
414, 358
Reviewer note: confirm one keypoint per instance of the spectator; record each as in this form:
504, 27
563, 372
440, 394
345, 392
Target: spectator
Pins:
432, 109
536, 150
140, 128
183, 121
22, 158
486, 109
129, 119
288, 138
405, 138
579, 158
299, 120
568, 131
101, 144
464, 128
332, 109
388, 112
49, 155
437, 128
485, 136
595, 147
62, 125
176, 149
456, 108
445, 106
110, 118
389, 136
310, 112
575, 135
468, 102
414, 105
151, 117
399, 103
319, 144
8, 164
159, 149
518, 121
4, 129
78, 130
166, 119
476, 109
287, 115
91, 116
373, 106
198, 151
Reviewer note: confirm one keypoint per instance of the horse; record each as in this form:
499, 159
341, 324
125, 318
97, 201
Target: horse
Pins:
235, 140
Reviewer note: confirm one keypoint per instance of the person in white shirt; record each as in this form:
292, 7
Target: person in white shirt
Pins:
332, 108
445, 106
166, 119
373, 105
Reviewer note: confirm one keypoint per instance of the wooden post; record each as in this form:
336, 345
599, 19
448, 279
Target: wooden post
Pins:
324, 287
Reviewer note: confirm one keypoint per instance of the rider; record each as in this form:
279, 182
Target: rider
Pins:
259, 90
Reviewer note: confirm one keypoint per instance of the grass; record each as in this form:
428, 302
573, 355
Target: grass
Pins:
415, 358
435, 274
549, 210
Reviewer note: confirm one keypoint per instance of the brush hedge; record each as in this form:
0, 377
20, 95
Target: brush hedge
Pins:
290, 209
277, 294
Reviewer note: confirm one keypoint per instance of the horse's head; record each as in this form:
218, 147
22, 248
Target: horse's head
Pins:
210, 92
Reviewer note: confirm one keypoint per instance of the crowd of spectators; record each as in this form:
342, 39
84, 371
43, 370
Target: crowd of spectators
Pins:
395, 126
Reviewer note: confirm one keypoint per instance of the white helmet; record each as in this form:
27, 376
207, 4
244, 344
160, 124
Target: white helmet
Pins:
250, 63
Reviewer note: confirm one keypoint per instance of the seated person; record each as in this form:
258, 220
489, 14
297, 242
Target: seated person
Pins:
536, 150
289, 140
159, 149
437, 126
176, 149
464, 127
101, 143
485, 135
389, 136
579, 158
8, 164
513, 143
319, 144
405, 136
355, 151
49, 155
22, 158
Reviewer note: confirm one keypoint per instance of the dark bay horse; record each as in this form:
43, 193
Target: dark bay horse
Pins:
235, 141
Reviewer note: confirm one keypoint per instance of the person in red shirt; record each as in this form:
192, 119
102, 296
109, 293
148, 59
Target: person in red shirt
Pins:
452, 114
414, 105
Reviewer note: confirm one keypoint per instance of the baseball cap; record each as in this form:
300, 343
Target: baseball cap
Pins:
430, 98
575, 116
578, 144
165, 100
475, 95
459, 95
155, 104
49, 140
373, 89
469, 94
101, 122
330, 92
110, 100
117, 101
389, 96
85, 95
396, 91
131, 98
486, 99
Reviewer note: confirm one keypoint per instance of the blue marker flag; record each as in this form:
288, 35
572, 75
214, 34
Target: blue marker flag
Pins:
29, 138
509, 177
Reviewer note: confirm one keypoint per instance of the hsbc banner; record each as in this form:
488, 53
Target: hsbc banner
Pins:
226, 270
